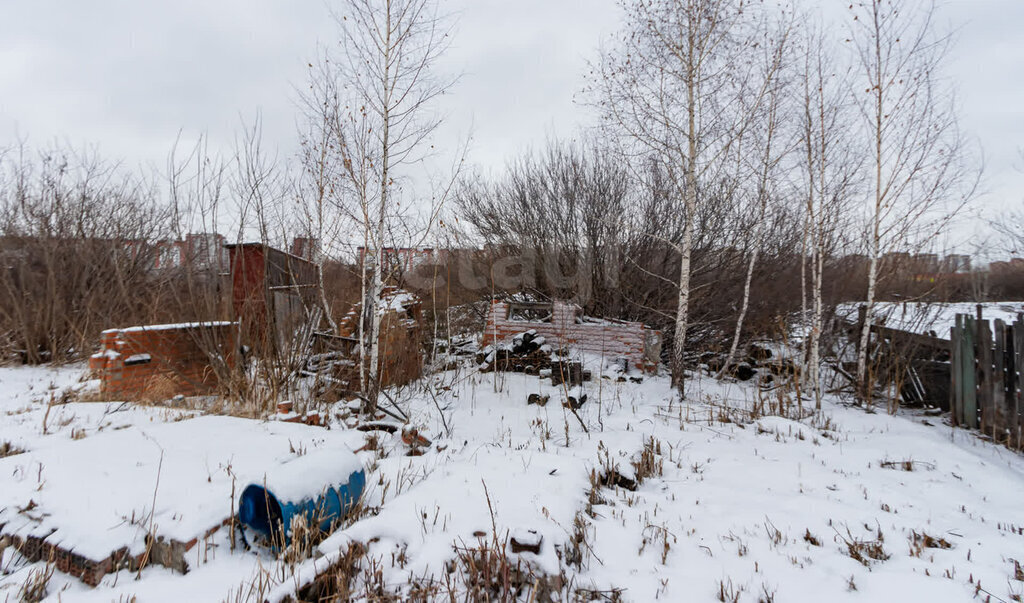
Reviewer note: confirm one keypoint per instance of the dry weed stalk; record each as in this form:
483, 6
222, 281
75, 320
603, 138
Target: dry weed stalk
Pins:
34, 588
864, 551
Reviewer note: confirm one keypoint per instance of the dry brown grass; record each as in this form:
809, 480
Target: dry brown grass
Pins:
919, 541
650, 462
865, 551
9, 449
36, 585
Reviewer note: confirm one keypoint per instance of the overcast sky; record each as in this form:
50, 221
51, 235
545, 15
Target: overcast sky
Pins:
129, 75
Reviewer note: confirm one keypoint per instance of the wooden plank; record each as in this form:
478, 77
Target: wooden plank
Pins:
999, 428
906, 338
985, 381
969, 374
1017, 426
956, 398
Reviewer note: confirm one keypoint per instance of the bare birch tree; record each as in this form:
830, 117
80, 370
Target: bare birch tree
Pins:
384, 89
830, 165
771, 145
916, 152
669, 86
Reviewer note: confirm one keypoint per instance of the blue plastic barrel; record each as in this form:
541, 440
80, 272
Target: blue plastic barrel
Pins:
266, 513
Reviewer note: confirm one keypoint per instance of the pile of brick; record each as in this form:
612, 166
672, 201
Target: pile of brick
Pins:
529, 353
524, 352
286, 413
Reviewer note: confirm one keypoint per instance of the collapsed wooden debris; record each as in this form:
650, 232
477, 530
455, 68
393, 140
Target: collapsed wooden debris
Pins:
913, 365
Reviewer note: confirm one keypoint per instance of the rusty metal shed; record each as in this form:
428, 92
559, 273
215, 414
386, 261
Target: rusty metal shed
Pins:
273, 294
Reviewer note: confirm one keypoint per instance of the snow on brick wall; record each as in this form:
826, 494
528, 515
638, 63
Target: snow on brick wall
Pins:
160, 361
625, 339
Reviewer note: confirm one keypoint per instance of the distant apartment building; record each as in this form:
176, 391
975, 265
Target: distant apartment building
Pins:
201, 251
924, 264
403, 259
956, 263
1013, 265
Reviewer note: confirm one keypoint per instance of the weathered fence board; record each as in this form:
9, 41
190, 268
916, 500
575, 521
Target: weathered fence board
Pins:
986, 376
968, 376
1017, 430
956, 393
983, 352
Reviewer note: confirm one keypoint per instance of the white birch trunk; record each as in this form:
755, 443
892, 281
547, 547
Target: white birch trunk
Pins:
803, 278
814, 343
743, 310
323, 298
684, 302
373, 297
377, 284
686, 246
865, 332
876, 218
363, 278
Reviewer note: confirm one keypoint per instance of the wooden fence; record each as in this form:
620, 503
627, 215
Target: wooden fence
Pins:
986, 369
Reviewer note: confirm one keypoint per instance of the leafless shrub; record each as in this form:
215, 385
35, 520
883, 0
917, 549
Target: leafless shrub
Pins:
77, 241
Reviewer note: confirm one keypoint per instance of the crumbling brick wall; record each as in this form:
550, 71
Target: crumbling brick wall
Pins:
566, 327
36, 548
161, 361
400, 338
161, 551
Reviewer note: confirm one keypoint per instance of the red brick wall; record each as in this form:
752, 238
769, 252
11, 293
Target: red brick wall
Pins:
625, 339
178, 362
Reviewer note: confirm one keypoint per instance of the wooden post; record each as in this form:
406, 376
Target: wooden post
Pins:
985, 380
969, 374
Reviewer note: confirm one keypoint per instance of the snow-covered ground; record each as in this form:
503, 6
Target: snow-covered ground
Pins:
932, 317
728, 504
